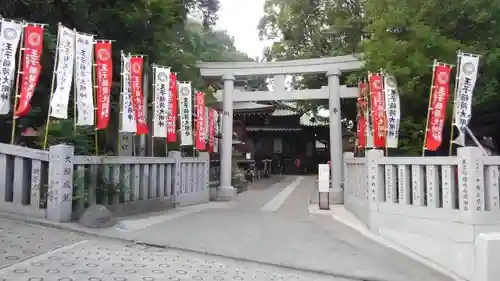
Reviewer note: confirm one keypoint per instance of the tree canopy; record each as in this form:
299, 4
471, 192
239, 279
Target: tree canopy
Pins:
400, 36
162, 30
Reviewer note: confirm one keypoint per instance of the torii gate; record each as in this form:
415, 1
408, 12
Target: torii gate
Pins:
332, 66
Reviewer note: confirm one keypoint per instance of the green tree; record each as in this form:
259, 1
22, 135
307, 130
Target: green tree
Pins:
304, 29
405, 36
159, 29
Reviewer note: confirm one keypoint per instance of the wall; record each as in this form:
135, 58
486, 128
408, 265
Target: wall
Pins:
433, 206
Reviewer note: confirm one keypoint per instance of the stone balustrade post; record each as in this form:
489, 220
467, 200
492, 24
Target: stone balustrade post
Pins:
60, 190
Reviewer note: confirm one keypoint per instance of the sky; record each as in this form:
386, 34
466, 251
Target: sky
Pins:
240, 19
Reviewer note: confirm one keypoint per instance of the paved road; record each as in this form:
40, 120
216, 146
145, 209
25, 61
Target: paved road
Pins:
32, 253
227, 241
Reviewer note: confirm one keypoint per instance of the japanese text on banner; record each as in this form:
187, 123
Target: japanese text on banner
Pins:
200, 121
437, 110
185, 111
64, 79
161, 100
104, 73
127, 115
211, 129
136, 66
362, 108
392, 109
377, 110
467, 75
9, 42
33, 46
172, 109
83, 80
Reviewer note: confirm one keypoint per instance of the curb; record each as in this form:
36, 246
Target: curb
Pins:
89, 232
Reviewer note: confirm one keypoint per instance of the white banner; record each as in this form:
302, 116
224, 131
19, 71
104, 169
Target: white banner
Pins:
186, 112
9, 42
161, 98
64, 71
127, 112
392, 109
467, 75
217, 128
83, 79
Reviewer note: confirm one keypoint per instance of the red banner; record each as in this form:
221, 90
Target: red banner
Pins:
172, 109
437, 110
104, 73
33, 46
211, 130
200, 121
377, 110
361, 128
136, 65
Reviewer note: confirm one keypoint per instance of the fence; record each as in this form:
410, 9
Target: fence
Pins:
59, 185
435, 206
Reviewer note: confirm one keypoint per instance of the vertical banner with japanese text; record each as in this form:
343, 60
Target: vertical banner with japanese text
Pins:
104, 74
161, 100
377, 109
200, 143
437, 111
216, 131
136, 67
10, 35
361, 124
33, 47
186, 112
211, 129
392, 110
467, 75
127, 108
172, 109
83, 79
64, 71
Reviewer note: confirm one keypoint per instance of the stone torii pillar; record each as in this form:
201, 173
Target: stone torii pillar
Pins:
226, 191
336, 148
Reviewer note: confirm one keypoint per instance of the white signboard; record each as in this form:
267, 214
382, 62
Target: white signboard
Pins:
324, 178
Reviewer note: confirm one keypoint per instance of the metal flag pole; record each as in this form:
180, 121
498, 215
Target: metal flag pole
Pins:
52, 84
18, 77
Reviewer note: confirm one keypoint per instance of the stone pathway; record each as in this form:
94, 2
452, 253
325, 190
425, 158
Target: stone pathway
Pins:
265, 234
31, 253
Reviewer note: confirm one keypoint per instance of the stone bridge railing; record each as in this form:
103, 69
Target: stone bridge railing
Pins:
434, 206
59, 185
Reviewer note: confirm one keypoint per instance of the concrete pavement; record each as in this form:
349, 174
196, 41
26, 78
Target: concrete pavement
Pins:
33, 253
265, 230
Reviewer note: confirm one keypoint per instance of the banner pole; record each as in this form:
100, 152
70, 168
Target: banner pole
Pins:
52, 84
153, 110
94, 91
75, 86
429, 107
16, 93
455, 91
